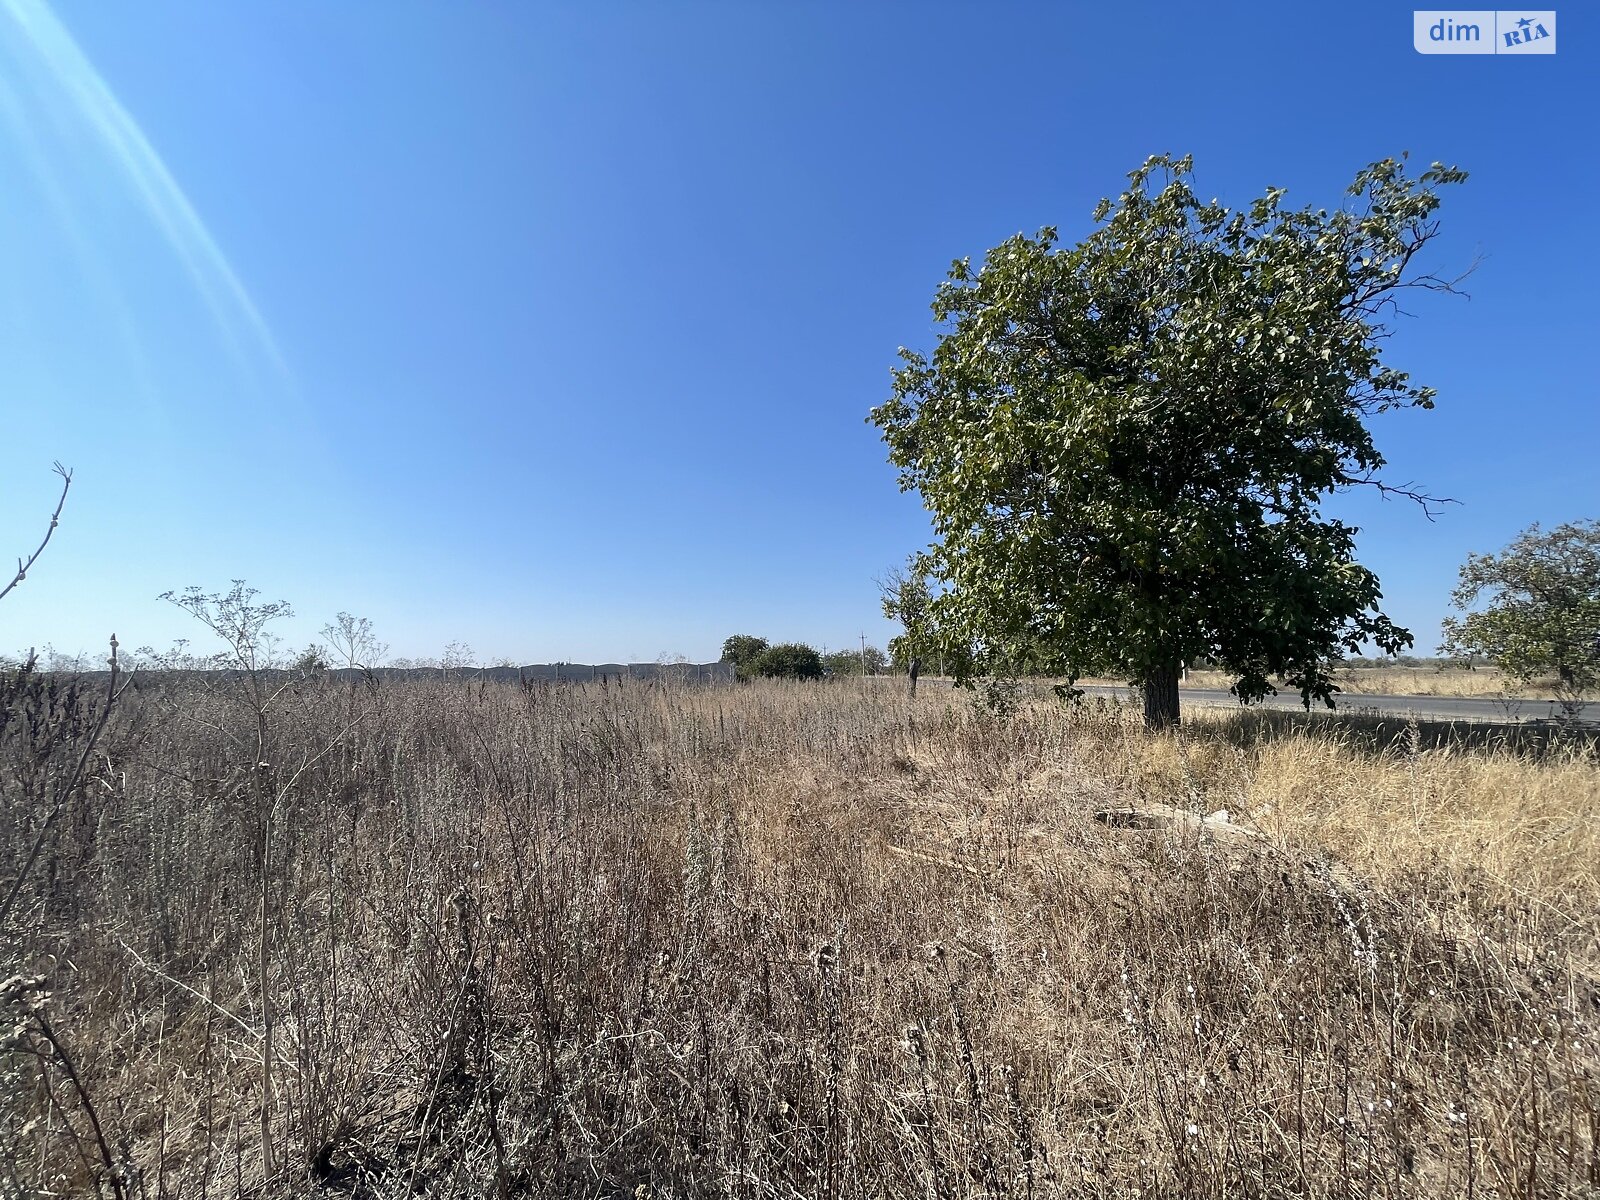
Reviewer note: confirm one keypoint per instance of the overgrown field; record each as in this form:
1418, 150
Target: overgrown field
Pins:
1488, 682
785, 940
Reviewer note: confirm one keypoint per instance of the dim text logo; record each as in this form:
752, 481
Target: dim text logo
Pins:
1486, 31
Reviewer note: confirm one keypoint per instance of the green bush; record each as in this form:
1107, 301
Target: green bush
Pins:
788, 660
742, 650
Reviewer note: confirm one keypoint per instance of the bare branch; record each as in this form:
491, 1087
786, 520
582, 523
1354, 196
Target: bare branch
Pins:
1431, 505
55, 518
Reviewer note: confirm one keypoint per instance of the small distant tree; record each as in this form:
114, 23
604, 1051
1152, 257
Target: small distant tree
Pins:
840, 663
312, 660
908, 599
1541, 611
867, 661
788, 660
61, 662
742, 650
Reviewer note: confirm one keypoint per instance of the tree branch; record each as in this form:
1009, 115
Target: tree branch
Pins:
55, 518
1430, 504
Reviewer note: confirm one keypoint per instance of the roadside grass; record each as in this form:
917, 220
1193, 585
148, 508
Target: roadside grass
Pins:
1486, 682
1438, 681
797, 940
1511, 816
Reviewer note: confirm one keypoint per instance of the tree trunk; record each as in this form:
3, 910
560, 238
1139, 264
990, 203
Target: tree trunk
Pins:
913, 670
1161, 697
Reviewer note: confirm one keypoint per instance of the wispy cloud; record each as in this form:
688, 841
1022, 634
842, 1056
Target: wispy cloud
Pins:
147, 176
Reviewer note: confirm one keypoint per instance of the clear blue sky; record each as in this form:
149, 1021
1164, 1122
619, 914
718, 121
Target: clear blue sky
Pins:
553, 328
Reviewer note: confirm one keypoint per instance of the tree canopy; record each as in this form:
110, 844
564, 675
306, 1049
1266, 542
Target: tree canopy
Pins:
868, 660
1541, 614
742, 650
1124, 444
788, 660
753, 656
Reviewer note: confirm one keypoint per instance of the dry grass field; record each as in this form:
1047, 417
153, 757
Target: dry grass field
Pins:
1410, 681
785, 940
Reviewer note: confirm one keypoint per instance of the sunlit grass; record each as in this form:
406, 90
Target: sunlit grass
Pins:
784, 940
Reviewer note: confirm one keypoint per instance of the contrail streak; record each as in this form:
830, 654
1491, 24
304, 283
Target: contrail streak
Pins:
230, 304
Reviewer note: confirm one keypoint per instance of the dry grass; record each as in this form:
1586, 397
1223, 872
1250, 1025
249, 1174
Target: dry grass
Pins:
796, 941
1513, 821
1488, 682
1437, 681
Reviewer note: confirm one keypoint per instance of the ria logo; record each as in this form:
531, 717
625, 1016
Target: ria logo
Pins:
1528, 31
1486, 31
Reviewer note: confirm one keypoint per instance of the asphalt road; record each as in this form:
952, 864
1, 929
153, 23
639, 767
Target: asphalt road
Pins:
1430, 708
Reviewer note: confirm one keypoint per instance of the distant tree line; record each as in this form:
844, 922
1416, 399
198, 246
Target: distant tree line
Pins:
756, 658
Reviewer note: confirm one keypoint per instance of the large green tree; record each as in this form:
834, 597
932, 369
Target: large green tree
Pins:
742, 650
1125, 443
788, 660
1540, 611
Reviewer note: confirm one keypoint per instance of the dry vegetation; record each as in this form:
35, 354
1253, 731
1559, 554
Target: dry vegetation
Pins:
788, 940
1488, 682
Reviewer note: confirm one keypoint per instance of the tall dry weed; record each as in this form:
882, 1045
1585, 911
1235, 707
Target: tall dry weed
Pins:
793, 940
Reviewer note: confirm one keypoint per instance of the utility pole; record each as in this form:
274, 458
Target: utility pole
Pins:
863, 654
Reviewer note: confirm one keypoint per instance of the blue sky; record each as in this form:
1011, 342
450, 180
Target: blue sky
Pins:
553, 328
